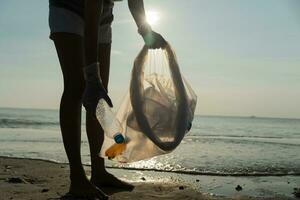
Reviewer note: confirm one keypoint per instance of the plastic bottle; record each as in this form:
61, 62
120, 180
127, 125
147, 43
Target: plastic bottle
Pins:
112, 128
108, 121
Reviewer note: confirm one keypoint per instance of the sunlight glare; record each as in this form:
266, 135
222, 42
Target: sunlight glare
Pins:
152, 17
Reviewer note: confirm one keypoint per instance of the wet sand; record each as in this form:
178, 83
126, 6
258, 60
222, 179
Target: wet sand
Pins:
24, 179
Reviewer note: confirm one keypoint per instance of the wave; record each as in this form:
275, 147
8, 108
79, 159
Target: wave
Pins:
293, 141
24, 123
235, 136
43, 140
185, 172
207, 173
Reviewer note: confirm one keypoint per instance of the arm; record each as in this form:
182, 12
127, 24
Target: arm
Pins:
94, 90
137, 10
151, 38
93, 10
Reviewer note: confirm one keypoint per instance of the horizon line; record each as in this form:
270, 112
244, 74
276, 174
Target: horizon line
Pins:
196, 114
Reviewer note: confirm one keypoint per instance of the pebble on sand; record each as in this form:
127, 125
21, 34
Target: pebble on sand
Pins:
16, 180
238, 188
181, 188
45, 190
297, 192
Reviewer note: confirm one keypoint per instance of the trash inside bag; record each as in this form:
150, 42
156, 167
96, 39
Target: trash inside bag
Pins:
156, 113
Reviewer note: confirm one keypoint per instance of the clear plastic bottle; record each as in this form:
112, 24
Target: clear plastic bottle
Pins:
110, 124
112, 128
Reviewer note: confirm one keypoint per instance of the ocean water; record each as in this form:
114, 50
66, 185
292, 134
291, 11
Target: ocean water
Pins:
216, 145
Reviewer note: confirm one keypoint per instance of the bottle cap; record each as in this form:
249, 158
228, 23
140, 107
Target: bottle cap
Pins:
119, 138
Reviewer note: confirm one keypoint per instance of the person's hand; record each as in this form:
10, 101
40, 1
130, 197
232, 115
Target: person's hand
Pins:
152, 39
94, 90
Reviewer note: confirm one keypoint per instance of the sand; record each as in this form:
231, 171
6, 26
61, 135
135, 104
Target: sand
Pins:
22, 179
36, 179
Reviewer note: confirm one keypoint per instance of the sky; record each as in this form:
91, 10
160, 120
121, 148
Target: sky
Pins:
242, 58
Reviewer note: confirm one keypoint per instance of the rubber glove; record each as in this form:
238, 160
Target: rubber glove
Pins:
152, 39
94, 90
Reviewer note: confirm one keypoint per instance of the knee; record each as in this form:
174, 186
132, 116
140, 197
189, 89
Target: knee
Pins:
74, 91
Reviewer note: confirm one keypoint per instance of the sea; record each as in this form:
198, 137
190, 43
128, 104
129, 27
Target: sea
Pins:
216, 145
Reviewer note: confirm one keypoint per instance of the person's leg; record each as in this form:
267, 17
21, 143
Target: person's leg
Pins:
69, 49
100, 177
94, 130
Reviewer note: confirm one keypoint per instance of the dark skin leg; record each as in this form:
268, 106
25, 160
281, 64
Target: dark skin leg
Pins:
69, 49
70, 52
100, 177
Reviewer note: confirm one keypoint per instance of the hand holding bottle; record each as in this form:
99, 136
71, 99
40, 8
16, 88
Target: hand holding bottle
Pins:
94, 90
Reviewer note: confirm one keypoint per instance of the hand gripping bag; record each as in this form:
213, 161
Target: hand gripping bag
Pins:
157, 111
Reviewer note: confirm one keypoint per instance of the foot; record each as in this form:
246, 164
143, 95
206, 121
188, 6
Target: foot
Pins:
108, 180
83, 188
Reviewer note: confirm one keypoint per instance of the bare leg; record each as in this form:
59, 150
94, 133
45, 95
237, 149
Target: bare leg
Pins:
100, 177
94, 130
70, 52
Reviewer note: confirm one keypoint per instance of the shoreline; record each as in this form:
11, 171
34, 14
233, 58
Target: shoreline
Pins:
172, 171
43, 182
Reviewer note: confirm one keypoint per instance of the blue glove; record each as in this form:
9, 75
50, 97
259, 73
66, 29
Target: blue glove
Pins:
94, 90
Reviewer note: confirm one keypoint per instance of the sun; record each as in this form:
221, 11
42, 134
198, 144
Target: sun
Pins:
152, 17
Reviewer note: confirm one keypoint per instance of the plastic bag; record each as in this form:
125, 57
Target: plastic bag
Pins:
157, 111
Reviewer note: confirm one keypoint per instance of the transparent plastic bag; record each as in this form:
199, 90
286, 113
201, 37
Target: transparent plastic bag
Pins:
158, 109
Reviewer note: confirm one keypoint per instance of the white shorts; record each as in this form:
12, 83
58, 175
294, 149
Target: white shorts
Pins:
64, 20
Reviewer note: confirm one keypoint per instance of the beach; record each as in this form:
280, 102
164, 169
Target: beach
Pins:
35, 179
22, 179
203, 99
221, 158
